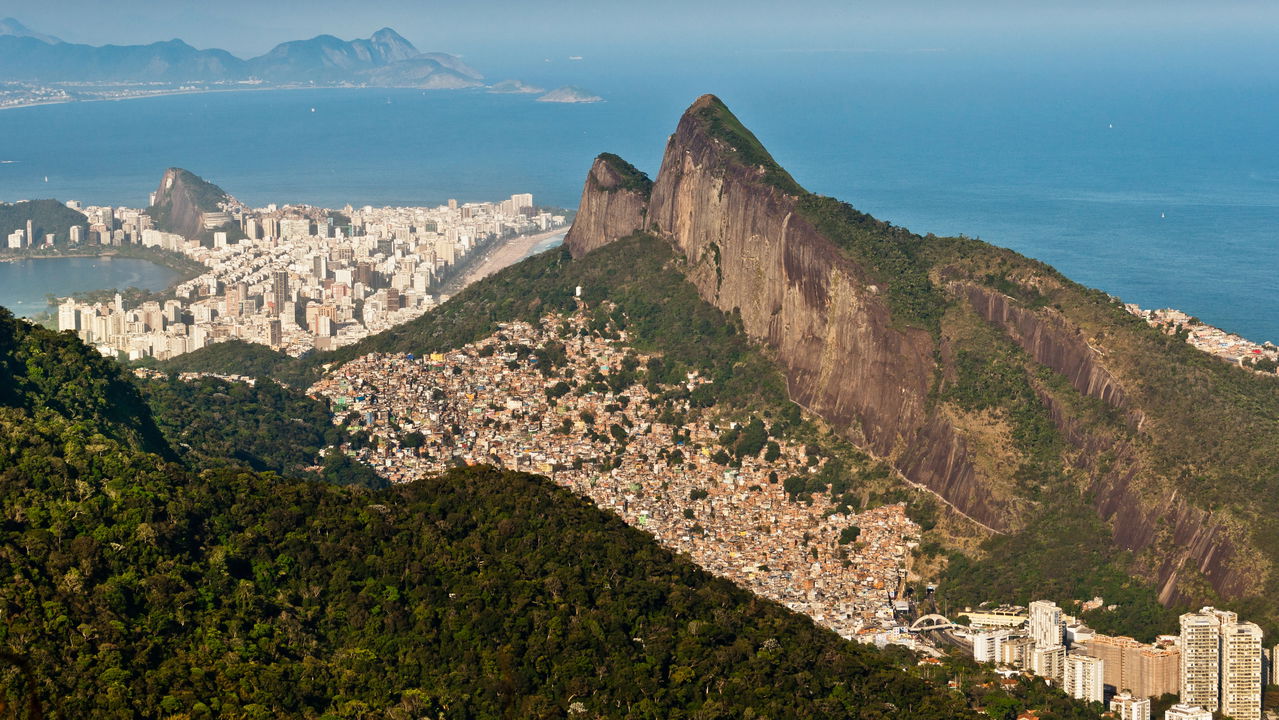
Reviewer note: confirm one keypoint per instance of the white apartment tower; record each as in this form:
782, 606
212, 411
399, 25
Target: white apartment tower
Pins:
1127, 707
988, 645
1201, 658
1084, 678
1241, 671
520, 201
1045, 625
1049, 662
1221, 663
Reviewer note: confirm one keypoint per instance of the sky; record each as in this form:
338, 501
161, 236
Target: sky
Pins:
511, 28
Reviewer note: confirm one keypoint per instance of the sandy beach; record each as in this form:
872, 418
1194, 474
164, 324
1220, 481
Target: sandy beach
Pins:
505, 255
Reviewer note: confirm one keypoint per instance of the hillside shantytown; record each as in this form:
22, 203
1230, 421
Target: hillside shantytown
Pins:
537, 398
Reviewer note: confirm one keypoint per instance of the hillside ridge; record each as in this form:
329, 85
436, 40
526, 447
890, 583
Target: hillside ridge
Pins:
890, 336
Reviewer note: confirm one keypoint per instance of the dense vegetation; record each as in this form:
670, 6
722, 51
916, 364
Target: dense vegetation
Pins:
633, 179
265, 426
136, 588
46, 216
46, 372
723, 125
238, 357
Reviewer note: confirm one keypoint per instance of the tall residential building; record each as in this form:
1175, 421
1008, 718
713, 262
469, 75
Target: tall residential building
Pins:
68, 316
1045, 625
1143, 670
521, 201
279, 289
1127, 707
1221, 663
1182, 711
1049, 662
1201, 658
1082, 677
988, 645
1241, 671
1274, 666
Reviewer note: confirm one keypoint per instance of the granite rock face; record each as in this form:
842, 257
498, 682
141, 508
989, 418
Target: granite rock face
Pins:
614, 204
846, 359
182, 200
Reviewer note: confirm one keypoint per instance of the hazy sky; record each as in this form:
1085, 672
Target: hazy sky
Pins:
506, 27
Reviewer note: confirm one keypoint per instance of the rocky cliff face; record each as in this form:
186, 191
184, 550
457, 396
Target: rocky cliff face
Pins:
182, 200
830, 327
737, 218
614, 204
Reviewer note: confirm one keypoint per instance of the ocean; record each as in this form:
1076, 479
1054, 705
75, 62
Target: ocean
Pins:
1152, 177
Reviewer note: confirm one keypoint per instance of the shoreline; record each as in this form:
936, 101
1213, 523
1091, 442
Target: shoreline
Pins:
209, 91
110, 251
508, 253
173, 264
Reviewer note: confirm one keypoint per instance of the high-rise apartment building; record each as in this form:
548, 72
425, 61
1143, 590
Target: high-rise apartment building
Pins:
1083, 677
1143, 670
1221, 663
279, 289
1049, 662
988, 644
1241, 671
1045, 625
1201, 658
521, 201
1127, 707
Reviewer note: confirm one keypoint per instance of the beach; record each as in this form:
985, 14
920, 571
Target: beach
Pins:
505, 255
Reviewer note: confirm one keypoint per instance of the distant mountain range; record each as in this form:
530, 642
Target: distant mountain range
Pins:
386, 59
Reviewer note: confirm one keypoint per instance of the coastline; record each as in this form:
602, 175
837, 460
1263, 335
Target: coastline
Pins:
179, 264
209, 91
183, 268
503, 256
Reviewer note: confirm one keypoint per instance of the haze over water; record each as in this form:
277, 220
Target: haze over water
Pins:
1152, 176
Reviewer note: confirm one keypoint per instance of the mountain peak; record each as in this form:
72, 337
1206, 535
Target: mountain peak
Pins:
11, 26
708, 118
388, 34
706, 102
189, 205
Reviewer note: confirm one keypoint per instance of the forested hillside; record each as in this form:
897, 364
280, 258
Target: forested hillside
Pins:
46, 217
139, 588
215, 423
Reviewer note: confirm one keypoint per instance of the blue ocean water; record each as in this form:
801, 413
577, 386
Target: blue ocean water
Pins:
1151, 175
25, 283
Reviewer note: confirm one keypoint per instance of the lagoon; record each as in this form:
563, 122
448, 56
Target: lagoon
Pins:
25, 283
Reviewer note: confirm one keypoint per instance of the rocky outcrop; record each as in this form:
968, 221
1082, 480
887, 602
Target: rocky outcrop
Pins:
1143, 514
1146, 515
614, 204
736, 217
1049, 341
183, 201
831, 329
